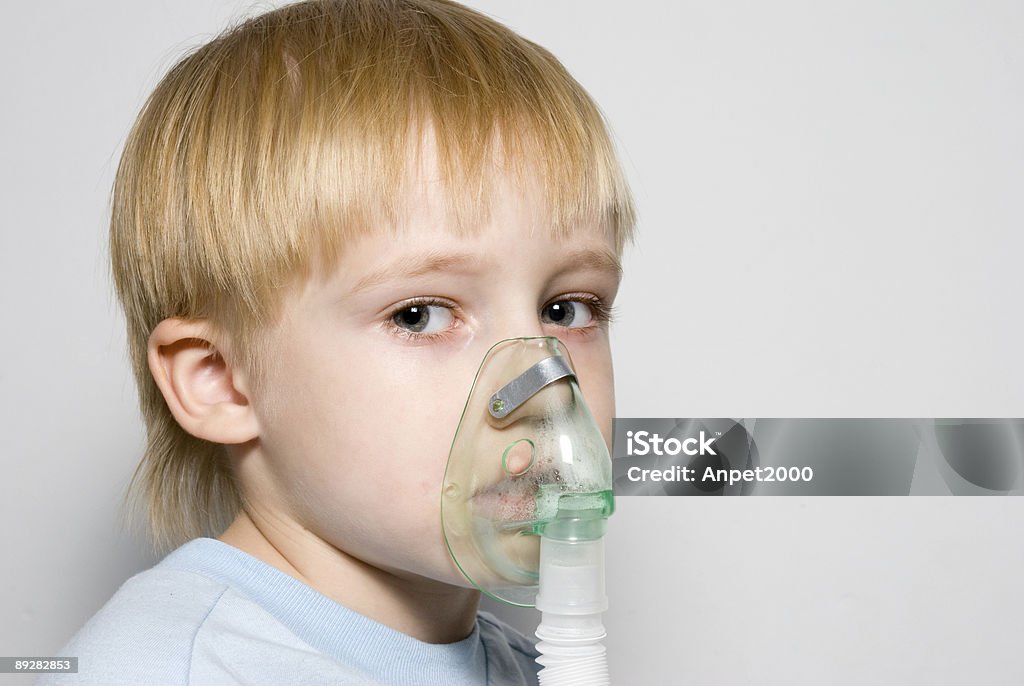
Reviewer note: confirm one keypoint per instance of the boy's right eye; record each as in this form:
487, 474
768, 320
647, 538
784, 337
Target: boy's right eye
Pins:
423, 319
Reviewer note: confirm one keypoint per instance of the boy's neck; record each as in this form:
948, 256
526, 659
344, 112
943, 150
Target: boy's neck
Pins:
424, 609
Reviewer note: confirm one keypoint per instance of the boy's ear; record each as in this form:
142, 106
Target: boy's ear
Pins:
205, 397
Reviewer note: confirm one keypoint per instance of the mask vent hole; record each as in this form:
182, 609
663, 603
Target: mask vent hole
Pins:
518, 457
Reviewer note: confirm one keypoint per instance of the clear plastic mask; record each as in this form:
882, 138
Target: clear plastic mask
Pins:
527, 460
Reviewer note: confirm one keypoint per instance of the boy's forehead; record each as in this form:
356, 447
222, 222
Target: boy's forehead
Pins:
511, 170
442, 187
423, 249
506, 204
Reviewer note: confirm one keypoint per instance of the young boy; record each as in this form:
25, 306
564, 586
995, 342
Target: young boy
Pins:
322, 220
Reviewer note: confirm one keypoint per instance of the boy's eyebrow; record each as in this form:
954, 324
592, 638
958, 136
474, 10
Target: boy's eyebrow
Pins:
415, 265
598, 260
418, 265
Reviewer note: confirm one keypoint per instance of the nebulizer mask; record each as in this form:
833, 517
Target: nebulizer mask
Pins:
525, 500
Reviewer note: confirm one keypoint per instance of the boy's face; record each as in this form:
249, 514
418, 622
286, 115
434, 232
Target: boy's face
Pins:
369, 369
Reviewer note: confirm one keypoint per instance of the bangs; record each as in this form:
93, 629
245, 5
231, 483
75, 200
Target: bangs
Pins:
336, 113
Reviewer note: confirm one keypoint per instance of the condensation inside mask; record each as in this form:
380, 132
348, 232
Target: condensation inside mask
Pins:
527, 455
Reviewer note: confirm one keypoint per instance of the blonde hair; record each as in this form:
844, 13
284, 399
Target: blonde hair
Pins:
289, 134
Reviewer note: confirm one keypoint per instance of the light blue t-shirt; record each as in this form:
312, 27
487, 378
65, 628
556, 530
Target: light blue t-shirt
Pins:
209, 614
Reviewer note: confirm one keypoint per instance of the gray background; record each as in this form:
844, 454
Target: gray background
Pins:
831, 204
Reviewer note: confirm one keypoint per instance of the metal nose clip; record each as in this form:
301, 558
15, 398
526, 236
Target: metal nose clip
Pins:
528, 384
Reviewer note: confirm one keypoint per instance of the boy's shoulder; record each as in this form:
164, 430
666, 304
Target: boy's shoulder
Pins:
145, 632
180, 622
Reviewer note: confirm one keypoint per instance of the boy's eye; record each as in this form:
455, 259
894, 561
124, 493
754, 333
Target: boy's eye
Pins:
423, 318
572, 314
